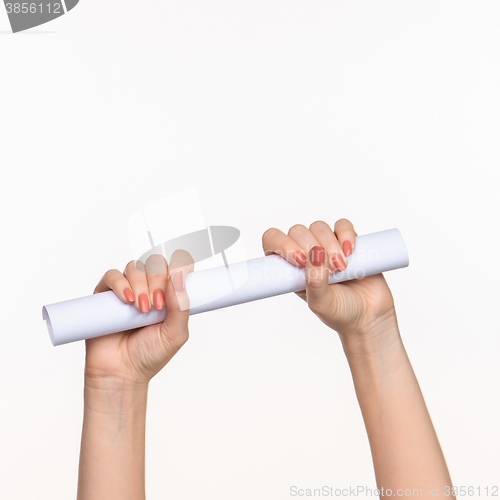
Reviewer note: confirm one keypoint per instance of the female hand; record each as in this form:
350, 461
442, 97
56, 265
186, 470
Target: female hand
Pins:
362, 312
137, 355
356, 309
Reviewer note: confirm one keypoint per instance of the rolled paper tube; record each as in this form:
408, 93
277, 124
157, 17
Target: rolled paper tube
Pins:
104, 313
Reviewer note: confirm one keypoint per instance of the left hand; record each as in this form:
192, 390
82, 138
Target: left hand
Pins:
137, 355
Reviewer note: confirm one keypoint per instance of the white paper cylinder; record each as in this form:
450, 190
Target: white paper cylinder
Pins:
104, 313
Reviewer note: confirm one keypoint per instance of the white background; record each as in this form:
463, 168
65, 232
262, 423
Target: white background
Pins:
384, 112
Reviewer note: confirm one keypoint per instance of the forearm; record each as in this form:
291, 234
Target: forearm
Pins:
405, 448
112, 456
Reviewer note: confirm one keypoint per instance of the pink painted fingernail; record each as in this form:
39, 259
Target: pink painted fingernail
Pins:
317, 256
339, 263
301, 257
347, 248
178, 282
143, 303
158, 299
129, 295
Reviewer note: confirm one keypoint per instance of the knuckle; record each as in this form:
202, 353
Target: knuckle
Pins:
112, 279
111, 276
318, 225
139, 265
156, 264
134, 270
271, 233
297, 229
109, 273
182, 255
181, 259
130, 264
343, 224
155, 257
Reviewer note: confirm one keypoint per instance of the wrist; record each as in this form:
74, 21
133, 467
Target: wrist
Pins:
376, 357
373, 338
115, 396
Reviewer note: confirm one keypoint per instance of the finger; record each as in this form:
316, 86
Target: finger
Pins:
306, 239
277, 242
135, 272
317, 279
327, 239
114, 280
156, 275
181, 264
344, 230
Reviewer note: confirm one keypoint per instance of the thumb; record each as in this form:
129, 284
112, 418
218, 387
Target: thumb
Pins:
176, 298
317, 273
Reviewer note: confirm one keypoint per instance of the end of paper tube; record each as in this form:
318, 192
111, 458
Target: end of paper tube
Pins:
46, 317
405, 248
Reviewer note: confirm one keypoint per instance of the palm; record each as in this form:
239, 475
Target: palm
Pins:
352, 305
134, 353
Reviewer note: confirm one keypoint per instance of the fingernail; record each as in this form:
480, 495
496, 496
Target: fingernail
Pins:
330, 269
143, 303
317, 256
178, 282
347, 248
129, 295
339, 263
158, 299
301, 257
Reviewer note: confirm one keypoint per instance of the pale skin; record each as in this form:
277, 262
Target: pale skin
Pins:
405, 449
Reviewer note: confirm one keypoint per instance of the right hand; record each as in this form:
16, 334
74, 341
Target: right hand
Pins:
358, 309
138, 355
